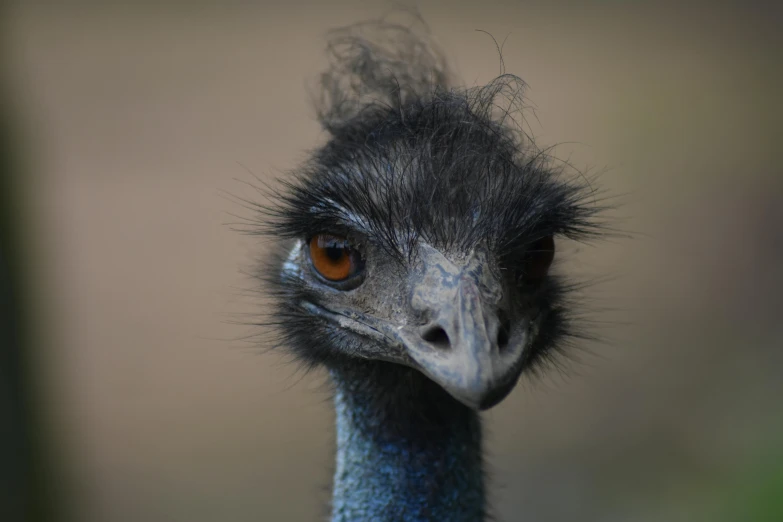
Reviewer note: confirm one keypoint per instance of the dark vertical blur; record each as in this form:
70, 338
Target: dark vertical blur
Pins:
26, 492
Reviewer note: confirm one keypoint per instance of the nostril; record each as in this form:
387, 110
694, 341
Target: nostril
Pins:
504, 331
436, 336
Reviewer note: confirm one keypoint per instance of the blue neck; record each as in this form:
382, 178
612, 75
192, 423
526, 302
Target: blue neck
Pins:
406, 450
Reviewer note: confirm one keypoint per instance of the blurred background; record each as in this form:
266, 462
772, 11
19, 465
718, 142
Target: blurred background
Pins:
127, 391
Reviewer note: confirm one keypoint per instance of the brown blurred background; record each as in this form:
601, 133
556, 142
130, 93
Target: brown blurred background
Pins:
135, 119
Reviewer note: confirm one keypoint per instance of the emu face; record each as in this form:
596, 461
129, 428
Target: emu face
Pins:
423, 235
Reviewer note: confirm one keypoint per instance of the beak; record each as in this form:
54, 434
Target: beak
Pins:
463, 346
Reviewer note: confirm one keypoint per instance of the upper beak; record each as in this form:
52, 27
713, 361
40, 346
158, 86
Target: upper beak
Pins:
463, 347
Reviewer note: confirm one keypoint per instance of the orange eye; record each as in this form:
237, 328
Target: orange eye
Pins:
333, 257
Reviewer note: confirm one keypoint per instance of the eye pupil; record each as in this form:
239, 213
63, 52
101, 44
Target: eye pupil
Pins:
335, 253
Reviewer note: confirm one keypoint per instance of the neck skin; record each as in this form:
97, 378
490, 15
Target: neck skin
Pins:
406, 450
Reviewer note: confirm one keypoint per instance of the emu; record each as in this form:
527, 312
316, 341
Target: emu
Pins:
413, 263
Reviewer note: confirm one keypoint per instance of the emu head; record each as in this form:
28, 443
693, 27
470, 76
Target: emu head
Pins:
422, 233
